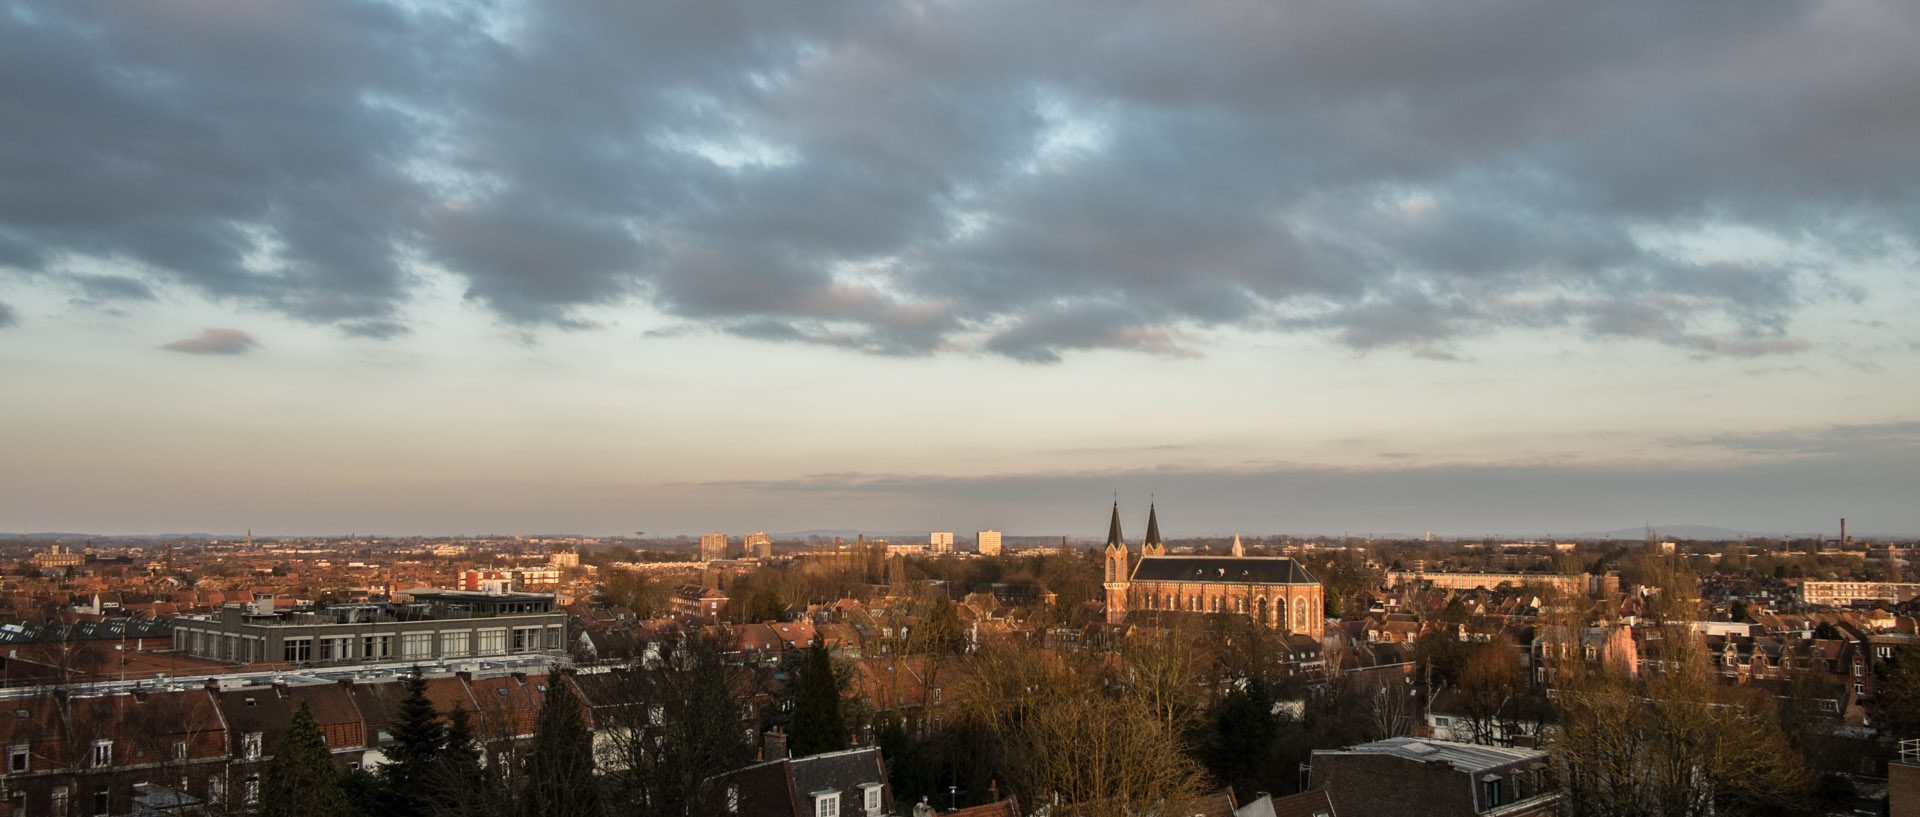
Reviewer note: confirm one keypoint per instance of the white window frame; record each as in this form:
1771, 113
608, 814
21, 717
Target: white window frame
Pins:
102, 753
456, 643
826, 804
19, 758
250, 746
870, 794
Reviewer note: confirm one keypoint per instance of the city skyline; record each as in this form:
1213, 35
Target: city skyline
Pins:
498, 267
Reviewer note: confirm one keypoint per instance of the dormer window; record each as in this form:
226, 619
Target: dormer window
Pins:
102, 753
826, 804
870, 797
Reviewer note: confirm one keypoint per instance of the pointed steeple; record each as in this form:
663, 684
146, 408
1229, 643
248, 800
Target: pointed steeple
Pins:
1152, 544
1238, 550
1114, 538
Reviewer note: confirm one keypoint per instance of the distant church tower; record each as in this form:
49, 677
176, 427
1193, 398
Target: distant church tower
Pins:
1238, 550
1116, 569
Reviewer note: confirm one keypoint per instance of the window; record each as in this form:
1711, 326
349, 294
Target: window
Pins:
526, 639
296, 650
826, 804
873, 798
1439, 720
936, 695
100, 803
250, 792
1493, 792
416, 645
60, 801
554, 637
250, 746
217, 789
376, 646
454, 644
103, 753
733, 799
179, 750
492, 642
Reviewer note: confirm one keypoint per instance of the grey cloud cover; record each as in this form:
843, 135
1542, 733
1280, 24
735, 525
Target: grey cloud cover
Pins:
7, 318
215, 342
916, 179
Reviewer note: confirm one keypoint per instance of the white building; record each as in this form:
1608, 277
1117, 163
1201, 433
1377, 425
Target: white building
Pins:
988, 542
941, 542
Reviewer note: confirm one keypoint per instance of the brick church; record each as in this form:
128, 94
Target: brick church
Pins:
1273, 589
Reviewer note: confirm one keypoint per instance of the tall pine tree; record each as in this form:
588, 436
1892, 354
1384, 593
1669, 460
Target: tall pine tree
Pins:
300, 781
560, 779
456, 785
418, 738
817, 723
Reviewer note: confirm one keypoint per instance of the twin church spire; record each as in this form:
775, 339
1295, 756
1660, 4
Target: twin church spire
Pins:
1151, 546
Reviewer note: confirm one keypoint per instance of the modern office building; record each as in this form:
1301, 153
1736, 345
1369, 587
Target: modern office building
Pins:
941, 542
987, 542
438, 624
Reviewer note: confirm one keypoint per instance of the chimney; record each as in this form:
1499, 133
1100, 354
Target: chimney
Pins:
776, 744
1843, 533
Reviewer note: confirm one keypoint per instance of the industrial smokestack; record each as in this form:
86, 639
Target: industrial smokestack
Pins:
1843, 533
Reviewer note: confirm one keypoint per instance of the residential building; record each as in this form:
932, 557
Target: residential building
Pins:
987, 542
851, 783
694, 600
757, 545
439, 624
1841, 594
1579, 584
1407, 777
940, 542
713, 547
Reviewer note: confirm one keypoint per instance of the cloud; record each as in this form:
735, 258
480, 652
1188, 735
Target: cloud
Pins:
914, 180
215, 342
1823, 441
7, 316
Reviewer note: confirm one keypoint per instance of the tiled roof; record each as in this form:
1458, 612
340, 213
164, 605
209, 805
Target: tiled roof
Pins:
1221, 569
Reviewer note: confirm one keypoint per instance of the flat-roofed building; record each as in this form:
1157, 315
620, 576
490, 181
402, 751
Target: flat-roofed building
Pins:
941, 541
1841, 594
757, 545
438, 624
713, 547
987, 542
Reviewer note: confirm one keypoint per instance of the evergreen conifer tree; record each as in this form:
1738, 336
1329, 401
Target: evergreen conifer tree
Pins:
817, 723
418, 738
300, 781
560, 780
456, 785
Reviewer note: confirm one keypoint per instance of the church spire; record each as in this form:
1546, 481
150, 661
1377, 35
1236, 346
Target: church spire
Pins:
1238, 550
1114, 538
1152, 544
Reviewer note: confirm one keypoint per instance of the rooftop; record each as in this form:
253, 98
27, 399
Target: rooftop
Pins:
1463, 757
1230, 569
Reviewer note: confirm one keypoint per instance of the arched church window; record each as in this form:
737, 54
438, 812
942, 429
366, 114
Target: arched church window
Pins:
1300, 614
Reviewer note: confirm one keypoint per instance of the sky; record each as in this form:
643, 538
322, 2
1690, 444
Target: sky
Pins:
596, 267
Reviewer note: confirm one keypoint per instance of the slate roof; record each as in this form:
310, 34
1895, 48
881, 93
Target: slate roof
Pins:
1222, 569
1153, 529
1114, 537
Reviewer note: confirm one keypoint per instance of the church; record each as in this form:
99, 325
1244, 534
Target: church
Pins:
1273, 589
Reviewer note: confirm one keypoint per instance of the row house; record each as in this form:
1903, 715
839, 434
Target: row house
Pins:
98, 755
